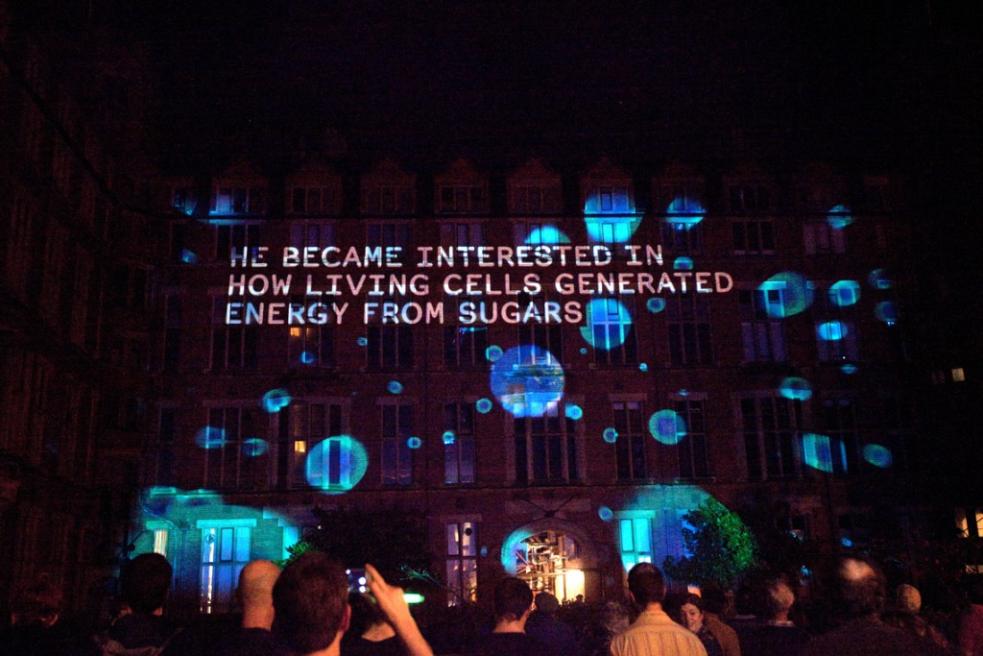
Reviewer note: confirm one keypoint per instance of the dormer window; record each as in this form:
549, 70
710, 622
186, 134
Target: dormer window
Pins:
463, 199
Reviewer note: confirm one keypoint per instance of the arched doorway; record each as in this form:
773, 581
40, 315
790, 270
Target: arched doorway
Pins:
552, 556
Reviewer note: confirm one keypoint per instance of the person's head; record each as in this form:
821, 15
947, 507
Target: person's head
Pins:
860, 587
513, 600
778, 599
36, 603
365, 613
547, 603
255, 592
691, 612
909, 599
714, 599
310, 600
646, 585
144, 583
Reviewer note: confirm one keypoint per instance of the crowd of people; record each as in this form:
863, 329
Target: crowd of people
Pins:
308, 609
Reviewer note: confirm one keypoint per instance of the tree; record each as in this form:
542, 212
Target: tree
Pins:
721, 547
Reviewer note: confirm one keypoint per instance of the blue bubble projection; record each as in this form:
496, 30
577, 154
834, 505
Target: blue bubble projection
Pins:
527, 381
254, 447
276, 400
844, 292
655, 304
583, 350
362, 341
306, 357
414, 442
448, 437
610, 217
683, 263
608, 324
786, 294
189, 257
849, 368
483, 406
335, 465
684, 213
832, 331
210, 437
643, 367
394, 387
667, 426
610, 435
547, 234
574, 411
817, 451
795, 388
878, 455
878, 279
493, 353
605, 513
887, 312
839, 217
846, 542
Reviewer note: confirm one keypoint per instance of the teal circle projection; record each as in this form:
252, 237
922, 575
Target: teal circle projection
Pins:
643, 366
276, 400
655, 304
605, 513
254, 447
574, 411
667, 427
394, 387
335, 465
583, 350
548, 235
786, 294
210, 437
414, 442
849, 368
306, 357
839, 217
610, 217
362, 341
448, 437
879, 279
493, 353
483, 406
684, 213
879, 456
608, 324
683, 263
832, 331
610, 435
527, 381
887, 312
795, 388
844, 293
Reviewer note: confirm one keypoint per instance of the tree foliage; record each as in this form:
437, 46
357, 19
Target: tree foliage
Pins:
721, 547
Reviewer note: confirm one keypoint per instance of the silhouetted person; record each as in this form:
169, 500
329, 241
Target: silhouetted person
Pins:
513, 604
653, 633
971, 624
544, 626
714, 602
775, 634
860, 594
370, 633
906, 615
255, 593
144, 584
37, 626
691, 616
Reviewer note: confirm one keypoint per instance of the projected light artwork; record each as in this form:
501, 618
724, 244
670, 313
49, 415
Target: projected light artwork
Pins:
448, 437
846, 542
667, 427
683, 263
583, 350
887, 312
527, 381
795, 388
844, 293
276, 400
210, 437
362, 341
547, 234
306, 357
574, 411
819, 452
610, 435
839, 217
879, 279
786, 294
493, 353
832, 331
608, 324
684, 213
849, 368
610, 217
254, 447
189, 257
643, 367
335, 465
414, 442
484, 406
394, 387
878, 456
605, 513
655, 304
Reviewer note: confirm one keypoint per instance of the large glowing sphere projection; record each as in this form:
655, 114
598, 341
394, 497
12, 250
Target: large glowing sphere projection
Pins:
667, 427
254, 447
655, 304
887, 312
879, 279
684, 213
832, 331
610, 216
795, 388
844, 293
547, 234
276, 400
210, 437
336, 464
879, 456
527, 380
839, 217
820, 451
786, 294
608, 324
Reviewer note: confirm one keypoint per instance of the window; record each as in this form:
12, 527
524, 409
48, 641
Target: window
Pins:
959, 375
680, 239
389, 347
770, 425
459, 444
320, 235
840, 423
229, 238
232, 347
462, 562
238, 200
822, 239
463, 199
462, 234
548, 337
165, 447
397, 457
160, 542
224, 552
635, 536
762, 337
388, 234
612, 334
692, 449
527, 199
546, 448
172, 331
464, 346
836, 332
689, 331
312, 200
608, 199
184, 200
537, 233
307, 423
388, 199
629, 423
753, 236
227, 465
749, 198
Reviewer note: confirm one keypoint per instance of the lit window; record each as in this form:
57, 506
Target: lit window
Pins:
300, 446
397, 457
224, 552
458, 438
462, 563
958, 375
636, 541
160, 542
962, 525
631, 440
